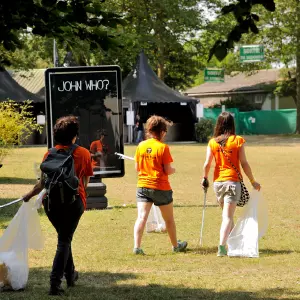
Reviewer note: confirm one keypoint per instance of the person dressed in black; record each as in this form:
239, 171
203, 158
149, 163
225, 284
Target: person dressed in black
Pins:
64, 215
139, 127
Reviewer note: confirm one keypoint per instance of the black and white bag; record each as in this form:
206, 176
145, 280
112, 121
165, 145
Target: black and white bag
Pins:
61, 181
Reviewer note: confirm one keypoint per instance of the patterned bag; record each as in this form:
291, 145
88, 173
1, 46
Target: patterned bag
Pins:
245, 196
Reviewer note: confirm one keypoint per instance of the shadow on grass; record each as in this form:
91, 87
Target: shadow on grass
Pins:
271, 252
8, 212
204, 250
14, 180
106, 285
199, 205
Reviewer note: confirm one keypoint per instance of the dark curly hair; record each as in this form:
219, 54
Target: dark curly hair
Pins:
65, 129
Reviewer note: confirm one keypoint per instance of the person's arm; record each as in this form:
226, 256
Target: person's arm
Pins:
136, 159
207, 163
36, 189
247, 169
206, 168
167, 160
137, 167
86, 180
168, 169
96, 154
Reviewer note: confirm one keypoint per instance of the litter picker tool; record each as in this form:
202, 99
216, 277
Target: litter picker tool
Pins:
203, 215
122, 156
10, 203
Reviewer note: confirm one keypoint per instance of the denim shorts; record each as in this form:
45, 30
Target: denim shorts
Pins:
227, 191
158, 197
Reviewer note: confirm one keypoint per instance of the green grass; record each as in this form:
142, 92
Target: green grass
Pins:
103, 243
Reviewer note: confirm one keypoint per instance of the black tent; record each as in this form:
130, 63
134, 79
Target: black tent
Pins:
150, 95
10, 89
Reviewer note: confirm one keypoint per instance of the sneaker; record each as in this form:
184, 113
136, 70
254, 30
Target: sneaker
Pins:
222, 251
138, 251
181, 246
56, 291
71, 281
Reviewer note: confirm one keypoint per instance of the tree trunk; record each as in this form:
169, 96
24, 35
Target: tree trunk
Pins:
298, 66
161, 70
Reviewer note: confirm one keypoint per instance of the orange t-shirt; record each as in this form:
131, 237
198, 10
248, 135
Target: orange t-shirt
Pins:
223, 169
150, 156
83, 167
96, 146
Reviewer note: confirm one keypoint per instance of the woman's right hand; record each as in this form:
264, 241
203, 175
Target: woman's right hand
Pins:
256, 185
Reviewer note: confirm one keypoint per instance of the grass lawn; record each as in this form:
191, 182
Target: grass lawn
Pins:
103, 243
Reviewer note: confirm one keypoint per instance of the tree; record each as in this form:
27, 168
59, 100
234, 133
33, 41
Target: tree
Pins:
161, 28
287, 86
84, 19
245, 22
279, 32
218, 29
16, 125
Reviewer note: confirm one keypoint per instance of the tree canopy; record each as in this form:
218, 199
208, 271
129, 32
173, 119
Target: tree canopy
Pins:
59, 19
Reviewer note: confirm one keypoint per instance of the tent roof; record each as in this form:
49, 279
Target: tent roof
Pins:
143, 85
10, 89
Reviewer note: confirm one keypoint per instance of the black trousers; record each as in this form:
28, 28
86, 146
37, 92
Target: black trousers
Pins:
64, 218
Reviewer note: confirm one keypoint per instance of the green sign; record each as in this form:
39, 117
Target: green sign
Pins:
214, 75
252, 53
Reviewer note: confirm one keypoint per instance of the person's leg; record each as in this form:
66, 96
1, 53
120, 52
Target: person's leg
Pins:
139, 136
143, 213
77, 210
227, 221
65, 220
168, 216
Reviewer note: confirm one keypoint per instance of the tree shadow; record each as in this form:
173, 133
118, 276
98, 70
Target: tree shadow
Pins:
8, 212
14, 180
106, 285
198, 205
203, 250
271, 252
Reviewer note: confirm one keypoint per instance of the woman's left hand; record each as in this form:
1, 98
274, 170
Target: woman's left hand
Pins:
256, 186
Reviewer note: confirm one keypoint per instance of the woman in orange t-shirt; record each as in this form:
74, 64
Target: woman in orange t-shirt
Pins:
227, 185
65, 216
99, 151
153, 164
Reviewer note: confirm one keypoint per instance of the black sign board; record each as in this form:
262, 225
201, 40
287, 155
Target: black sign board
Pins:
94, 95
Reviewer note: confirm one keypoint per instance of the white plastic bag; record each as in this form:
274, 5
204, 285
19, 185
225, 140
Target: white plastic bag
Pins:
23, 232
252, 225
155, 222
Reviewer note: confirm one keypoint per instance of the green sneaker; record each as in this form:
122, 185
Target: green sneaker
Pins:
222, 251
181, 246
138, 251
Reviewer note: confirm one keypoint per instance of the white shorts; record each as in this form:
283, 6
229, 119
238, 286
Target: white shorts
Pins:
227, 191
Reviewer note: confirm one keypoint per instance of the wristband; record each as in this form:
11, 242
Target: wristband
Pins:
252, 181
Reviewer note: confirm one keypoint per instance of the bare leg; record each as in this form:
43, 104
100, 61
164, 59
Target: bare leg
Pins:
227, 222
143, 213
222, 205
167, 214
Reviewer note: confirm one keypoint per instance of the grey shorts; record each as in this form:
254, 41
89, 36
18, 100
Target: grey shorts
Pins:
227, 191
158, 197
